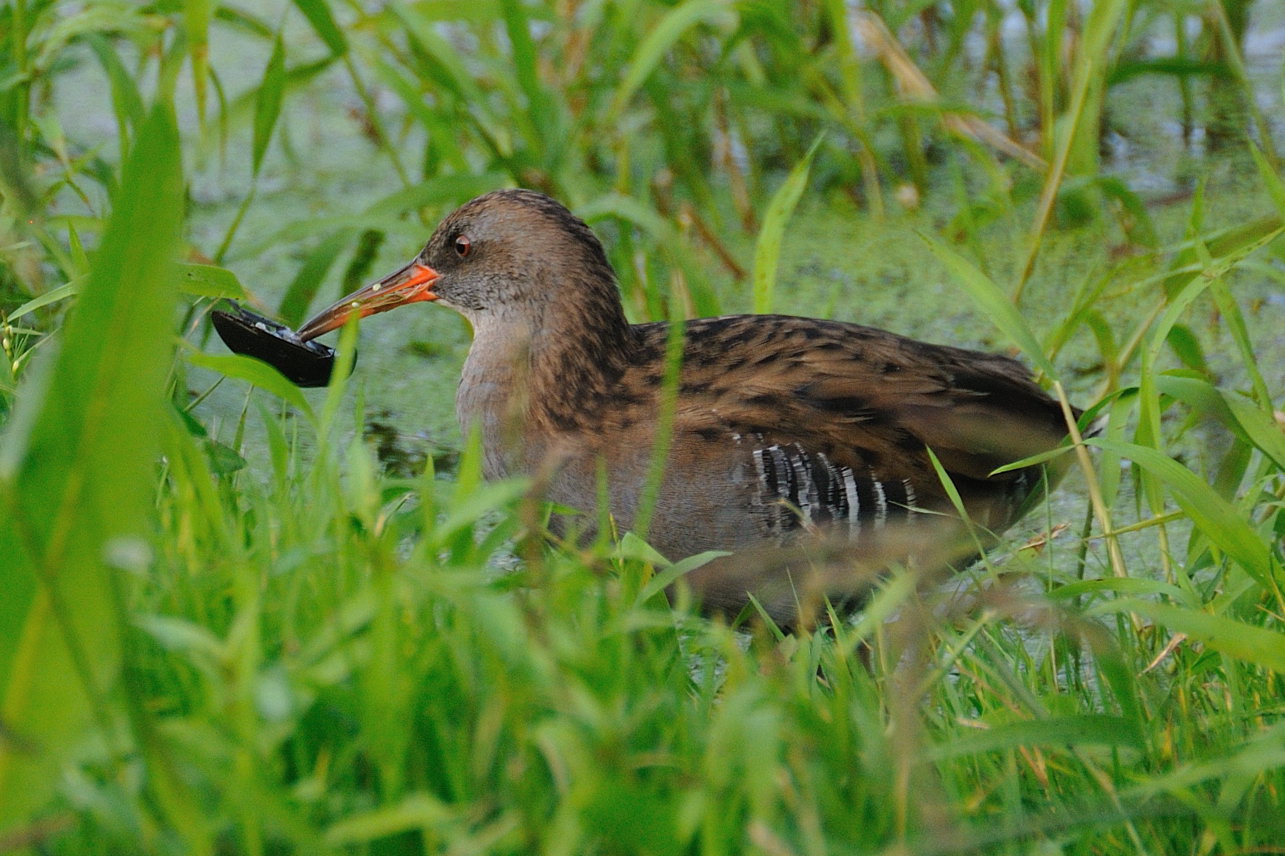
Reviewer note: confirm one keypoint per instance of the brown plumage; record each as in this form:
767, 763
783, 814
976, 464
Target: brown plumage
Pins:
795, 441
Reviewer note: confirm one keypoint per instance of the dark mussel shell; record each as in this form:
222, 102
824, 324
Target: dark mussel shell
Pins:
303, 363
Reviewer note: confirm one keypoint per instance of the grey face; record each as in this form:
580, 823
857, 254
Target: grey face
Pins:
510, 247
511, 253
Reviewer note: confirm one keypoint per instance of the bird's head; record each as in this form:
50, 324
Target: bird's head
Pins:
510, 252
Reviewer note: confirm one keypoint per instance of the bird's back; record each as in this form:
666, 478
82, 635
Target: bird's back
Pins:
791, 430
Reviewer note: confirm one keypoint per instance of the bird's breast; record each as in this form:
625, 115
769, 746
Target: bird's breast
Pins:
490, 400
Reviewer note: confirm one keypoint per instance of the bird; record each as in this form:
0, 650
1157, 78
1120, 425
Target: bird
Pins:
808, 454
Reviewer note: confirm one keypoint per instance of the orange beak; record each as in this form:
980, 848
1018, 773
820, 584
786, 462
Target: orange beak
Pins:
411, 284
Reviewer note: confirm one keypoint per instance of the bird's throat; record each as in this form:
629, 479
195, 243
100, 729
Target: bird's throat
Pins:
523, 386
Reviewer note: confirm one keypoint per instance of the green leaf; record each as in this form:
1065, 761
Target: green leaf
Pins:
1228, 247
323, 23
303, 288
211, 281
646, 218
1087, 729
201, 280
438, 190
1252, 424
53, 295
1275, 186
253, 371
525, 68
1173, 66
661, 39
451, 68
1187, 347
181, 635
1237, 639
267, 106
244, 21
413, 812
767, 250
1135, 217
105, 18
993, 302
1123, 585
670, 574
1260, 427
126, 101
1220, 522
76, 476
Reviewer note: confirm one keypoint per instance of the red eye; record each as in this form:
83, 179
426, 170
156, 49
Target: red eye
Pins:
463, 246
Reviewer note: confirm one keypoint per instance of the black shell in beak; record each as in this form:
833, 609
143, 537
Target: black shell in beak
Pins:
307, 364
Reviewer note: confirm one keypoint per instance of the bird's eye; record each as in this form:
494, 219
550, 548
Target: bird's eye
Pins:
463, 246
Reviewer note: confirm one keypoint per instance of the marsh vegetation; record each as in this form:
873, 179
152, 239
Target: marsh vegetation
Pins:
240, 617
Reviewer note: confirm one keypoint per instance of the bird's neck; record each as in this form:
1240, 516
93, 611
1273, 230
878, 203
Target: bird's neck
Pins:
532, 376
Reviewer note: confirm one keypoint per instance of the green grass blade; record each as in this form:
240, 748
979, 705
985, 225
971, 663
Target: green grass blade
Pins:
996, 305
1251, 423
255, 372
51, 296
1271, 181
1076, 133
450, 68
659, 41
76, 476
303, 288
1220, 522
1261, 429
416, 811
1234, 319
436, 191
323, 23
664, 234
211, 281
267, 106
767, 251
523, 50
1259, 645
1084, 729
671, 573
126, 100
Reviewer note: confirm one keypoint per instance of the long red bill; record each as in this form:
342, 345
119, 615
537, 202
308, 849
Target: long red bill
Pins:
411, 284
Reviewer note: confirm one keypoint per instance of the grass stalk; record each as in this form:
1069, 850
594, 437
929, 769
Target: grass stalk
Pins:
1097, 502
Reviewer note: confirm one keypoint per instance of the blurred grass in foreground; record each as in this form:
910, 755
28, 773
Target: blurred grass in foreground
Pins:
323, 657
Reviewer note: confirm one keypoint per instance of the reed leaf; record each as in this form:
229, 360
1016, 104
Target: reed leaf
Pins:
994, 304
76, 471
255, 372
211, 281
267, 107
661, 39
767, 250
1086, 729
1261, 646
323, 24
1216, 518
